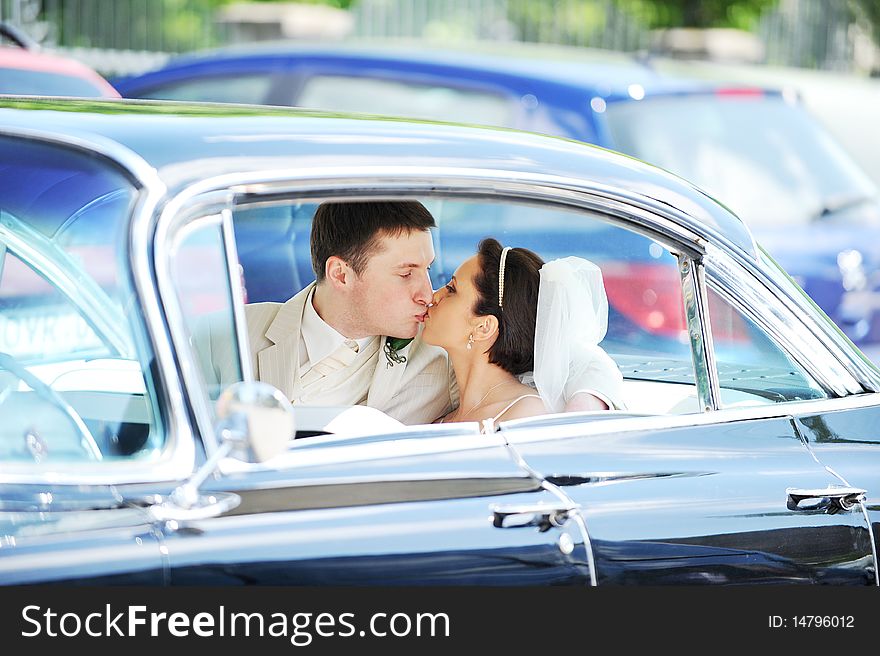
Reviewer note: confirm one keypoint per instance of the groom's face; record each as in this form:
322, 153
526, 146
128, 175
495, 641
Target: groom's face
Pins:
392, 293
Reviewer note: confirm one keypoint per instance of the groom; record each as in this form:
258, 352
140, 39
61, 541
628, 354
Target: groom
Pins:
329, 344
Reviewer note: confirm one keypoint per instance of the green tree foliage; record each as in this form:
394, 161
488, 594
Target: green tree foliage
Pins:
867, 10
740, 14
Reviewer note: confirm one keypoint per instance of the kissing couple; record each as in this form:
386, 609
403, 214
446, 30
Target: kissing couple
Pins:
509, 335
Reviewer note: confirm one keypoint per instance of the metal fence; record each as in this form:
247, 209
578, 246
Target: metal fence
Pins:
825, 34
600, 24
820, 34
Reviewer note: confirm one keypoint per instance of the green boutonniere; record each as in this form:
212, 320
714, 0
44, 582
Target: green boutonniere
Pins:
392, 346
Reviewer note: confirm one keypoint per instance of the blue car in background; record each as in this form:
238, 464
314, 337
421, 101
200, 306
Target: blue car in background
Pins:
756, 150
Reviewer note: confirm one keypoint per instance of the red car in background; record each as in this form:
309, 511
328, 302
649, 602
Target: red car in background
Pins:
26, 70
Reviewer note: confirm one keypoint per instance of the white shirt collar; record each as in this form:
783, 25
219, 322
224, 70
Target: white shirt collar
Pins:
320, 338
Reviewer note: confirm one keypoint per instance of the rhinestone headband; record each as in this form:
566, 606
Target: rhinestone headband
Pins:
501, 277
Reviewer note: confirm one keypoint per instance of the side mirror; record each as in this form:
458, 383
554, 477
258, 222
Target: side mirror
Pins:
255, 423
254, 420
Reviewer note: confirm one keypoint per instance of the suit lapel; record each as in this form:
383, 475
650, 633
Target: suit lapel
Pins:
387, 378
279, 363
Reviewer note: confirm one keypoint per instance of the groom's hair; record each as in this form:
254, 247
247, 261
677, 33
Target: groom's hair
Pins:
514, 349
352, 230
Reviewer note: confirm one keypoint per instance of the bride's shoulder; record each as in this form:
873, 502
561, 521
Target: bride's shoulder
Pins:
524, 405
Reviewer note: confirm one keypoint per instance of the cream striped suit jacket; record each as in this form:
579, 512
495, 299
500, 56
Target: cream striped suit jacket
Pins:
417, 391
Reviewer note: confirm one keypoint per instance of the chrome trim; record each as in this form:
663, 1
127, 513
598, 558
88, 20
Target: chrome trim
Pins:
562, 496
207, 506
578, 518
531, 430
387, 447
234, 268
178, 455
217, 193
786, 327
180, 432
658, 220
699, 333
699, 272
172, 228
847, 495
873, 541
183, 210
865, 370
862, 502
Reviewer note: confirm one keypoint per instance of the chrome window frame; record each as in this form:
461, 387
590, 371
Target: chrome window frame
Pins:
660, 222
785, 327
866, 371
532, 429
229, 190
178, 219
178, 454
696, 310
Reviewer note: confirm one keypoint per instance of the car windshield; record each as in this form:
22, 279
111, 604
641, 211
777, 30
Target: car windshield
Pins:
760, 155
74, 361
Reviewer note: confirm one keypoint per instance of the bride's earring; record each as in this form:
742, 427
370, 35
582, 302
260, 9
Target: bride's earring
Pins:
470, 341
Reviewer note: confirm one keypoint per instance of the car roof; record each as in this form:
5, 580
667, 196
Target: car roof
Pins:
45, 62
187, 143
608, 73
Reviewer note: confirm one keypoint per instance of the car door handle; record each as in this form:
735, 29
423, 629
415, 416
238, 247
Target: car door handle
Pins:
828, 499
541, 515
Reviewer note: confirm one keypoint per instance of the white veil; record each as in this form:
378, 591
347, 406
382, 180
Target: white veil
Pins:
572, 319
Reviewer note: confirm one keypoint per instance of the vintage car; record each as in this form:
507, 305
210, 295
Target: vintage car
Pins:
748, 452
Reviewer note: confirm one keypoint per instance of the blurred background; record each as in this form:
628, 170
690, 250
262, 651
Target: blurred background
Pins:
826, 49
770, 106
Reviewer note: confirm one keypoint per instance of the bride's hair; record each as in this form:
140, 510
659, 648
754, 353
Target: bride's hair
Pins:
514, 349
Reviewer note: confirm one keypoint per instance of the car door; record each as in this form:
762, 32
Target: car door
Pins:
432, 506
374, 502
737, 495
845, 439
702, 503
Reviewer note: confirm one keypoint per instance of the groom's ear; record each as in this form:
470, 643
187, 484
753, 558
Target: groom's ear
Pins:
486, 328
336, 271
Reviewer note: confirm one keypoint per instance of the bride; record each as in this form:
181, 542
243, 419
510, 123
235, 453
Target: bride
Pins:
505, 314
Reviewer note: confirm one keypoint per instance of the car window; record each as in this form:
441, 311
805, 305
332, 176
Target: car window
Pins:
763, 157
749, 363
375, 95
647, 332
47, 331
203, 286
75, 367
246, 88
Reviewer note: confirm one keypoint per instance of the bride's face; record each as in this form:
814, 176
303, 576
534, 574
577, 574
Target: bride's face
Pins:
450, 319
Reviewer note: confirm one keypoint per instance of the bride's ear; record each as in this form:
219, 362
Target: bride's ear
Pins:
485, 328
